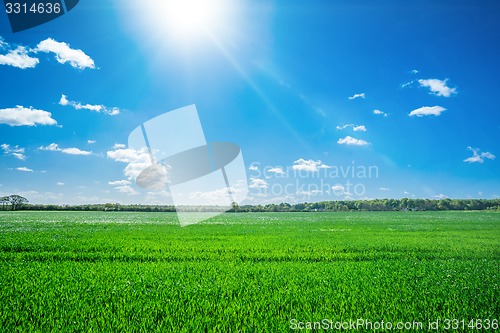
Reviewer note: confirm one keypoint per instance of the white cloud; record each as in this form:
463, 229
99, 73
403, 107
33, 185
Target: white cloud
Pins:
91, 142
360, 128
21, 116
308, 165
64, 53
340, 128
258, 183
18, 58
119, 146
438, 87
14, 151
277, 170
349, 140
60, 184
138, 160
427, 111
384, 189
355, 128
378, 112
253, 168
338, 188
24, 169
414, 71
441, 196
69, 151
404, 85
362, 95
112, 111
119, 182
127, 189
75, 151
479, 157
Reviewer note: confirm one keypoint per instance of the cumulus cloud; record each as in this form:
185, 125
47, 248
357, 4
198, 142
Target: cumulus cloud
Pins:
24, 169
137, 160
438, 87
64, 53
112, 111
427, 111
15, 151
258, 183
378, 112
478, 157
91, 142
349, 140
21, 116
360, 128
308, 165
69, 151
18, 58
362, 95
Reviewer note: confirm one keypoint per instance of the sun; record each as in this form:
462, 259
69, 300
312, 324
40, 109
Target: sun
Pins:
186, 19
192, 17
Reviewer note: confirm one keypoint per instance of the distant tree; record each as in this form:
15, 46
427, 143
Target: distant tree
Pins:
16, 200
4, 201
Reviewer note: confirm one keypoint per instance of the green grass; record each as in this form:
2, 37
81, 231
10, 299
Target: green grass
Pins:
141, 272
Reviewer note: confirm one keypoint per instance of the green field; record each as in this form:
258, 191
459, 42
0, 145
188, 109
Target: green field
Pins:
247, 272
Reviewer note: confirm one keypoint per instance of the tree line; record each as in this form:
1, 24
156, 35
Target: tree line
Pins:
15, 202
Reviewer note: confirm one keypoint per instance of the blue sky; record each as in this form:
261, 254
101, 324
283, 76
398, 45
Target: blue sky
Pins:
401, 93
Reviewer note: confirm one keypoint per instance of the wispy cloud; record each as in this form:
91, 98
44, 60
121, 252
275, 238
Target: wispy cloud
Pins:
15, 151
385, 189
308, 165
355, 128
112, 111
478, 157
64, 53
441, 196
404, 85
350, 141
24, 169
427, 111
21, 116
91, 142
69, 151
19, 58
414, 71
361, 95
378, 112
276, 170
438, 87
